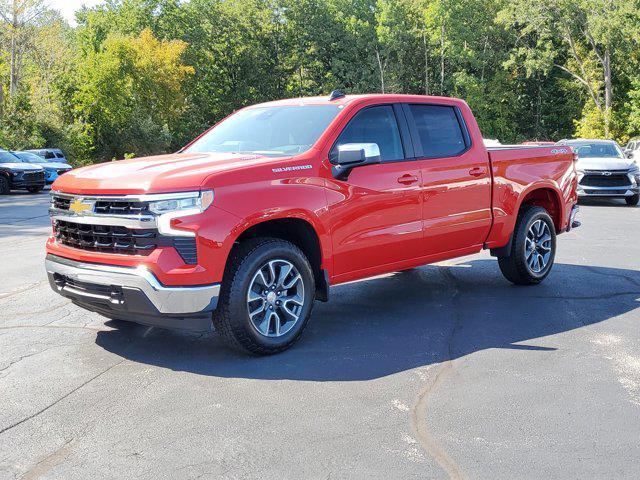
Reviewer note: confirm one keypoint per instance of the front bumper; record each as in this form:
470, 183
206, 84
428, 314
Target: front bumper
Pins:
611, 192
134, 294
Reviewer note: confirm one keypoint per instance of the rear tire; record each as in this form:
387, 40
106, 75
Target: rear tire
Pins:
633, 201
533, 248
5, 187
266, 297
35, 189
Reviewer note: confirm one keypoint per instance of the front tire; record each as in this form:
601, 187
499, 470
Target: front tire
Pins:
5, 187
533, 248
266, 298
633, 200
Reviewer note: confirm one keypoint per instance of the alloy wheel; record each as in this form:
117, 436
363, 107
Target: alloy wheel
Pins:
275, 298
538, 246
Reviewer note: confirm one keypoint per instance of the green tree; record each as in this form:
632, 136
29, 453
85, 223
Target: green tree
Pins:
130, 92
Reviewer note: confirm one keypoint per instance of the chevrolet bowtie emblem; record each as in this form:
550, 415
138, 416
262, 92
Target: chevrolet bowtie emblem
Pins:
79, 206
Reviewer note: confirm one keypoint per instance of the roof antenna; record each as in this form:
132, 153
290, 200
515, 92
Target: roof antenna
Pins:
335, 95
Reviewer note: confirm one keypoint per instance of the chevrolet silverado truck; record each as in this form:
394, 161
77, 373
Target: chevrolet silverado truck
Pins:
249, 224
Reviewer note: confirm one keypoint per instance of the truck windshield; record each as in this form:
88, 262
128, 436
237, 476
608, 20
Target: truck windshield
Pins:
273, 131
597, 150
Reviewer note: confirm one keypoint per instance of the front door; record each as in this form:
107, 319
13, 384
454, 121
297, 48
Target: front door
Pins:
376, 213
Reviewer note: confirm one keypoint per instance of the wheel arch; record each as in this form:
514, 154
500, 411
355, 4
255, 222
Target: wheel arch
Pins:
542, 194
299, 228
547, 197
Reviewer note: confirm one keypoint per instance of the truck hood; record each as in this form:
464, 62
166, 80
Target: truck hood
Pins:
56, 165
603, 163
20, 166
157, 174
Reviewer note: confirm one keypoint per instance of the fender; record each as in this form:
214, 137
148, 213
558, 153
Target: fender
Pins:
505, 214
261, 201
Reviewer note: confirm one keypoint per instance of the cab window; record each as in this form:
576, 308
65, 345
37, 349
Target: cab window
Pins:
374, 125
439, 130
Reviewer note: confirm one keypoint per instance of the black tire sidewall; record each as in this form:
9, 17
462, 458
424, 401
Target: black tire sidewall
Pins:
238, 292
633, 201
5, 187
529, 218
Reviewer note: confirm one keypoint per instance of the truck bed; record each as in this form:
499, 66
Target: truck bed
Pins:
518, 170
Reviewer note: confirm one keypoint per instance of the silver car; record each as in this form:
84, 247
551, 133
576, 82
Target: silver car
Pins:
605, 171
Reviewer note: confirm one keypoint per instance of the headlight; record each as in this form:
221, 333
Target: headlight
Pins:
171, 206
199, 201
633, 169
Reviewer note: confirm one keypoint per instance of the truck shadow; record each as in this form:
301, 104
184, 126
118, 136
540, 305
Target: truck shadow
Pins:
378, 327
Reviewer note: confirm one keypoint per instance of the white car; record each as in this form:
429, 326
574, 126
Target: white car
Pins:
632, 150
605, 171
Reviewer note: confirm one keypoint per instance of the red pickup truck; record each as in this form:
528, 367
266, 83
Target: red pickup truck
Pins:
250, 223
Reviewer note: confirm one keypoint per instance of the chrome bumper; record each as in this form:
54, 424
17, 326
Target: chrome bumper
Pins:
626, 191
109, 286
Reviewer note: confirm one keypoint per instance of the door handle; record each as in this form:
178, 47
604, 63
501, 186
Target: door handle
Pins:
407, 179
477, 171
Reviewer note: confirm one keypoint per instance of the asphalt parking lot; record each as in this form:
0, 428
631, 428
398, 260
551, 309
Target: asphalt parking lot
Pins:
445, 371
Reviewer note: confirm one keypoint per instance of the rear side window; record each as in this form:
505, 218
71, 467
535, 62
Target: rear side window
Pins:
374, 125
439, 130
59, 155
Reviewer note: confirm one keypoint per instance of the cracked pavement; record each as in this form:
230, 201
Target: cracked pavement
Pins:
445, 371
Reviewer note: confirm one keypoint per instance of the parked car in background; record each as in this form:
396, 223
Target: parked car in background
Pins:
53, 169
604, 170
54, 154
632, 150
491, 142
253, 221
16, 174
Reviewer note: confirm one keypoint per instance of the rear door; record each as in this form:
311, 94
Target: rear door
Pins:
376, 213
456, 179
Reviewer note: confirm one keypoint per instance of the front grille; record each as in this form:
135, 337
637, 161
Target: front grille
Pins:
115, 239
106, 206
605, 181
120, 207
595, 193
107, 239
33, 176
121, 240
61, 203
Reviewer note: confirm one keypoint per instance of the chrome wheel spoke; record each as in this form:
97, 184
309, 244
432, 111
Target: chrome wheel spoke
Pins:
265, 323
253, 296
291, 283
257, 310
285, 270
272, 273
263, 280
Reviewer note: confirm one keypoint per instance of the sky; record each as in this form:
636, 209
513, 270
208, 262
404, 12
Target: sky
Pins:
68, 7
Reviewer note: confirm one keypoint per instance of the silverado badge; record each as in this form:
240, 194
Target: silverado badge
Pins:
78, 206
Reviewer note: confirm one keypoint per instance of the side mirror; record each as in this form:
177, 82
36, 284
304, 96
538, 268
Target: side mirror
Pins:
628, 153
351, 155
